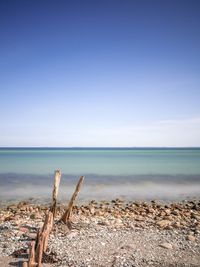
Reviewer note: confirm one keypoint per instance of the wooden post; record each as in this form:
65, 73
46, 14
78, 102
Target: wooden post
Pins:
57, 175
39, 250
38, 247
31, 259
67, 215
47, 227
43, 236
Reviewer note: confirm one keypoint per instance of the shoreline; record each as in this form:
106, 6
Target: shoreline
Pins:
22, 187
46, 202
144, 191
108, 233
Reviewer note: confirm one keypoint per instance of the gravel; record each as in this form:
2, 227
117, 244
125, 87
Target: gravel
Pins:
99, 245
114, 234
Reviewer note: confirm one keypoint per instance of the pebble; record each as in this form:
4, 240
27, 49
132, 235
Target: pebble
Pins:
166, 245
191, 238
163, 223
72, 234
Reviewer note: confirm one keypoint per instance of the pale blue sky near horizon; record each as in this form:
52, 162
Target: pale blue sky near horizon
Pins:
100, 73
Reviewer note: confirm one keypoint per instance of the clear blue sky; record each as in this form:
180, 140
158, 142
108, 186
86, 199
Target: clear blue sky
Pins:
100, 73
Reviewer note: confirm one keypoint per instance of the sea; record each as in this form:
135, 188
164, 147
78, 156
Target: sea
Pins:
129, 173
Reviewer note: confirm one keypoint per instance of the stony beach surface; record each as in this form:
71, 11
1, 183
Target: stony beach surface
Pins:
115, 233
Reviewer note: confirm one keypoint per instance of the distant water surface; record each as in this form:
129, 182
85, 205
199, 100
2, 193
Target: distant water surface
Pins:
140, 173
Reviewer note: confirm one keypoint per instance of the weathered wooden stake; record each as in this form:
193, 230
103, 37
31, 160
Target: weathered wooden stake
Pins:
39, 249
24, 264
47, 227
43, 236
67, 215
56, 184
31, 259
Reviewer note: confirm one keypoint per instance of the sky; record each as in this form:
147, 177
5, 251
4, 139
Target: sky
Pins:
99, 73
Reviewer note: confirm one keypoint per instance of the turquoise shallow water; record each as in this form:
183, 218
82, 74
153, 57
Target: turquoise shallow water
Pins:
101, 161
129, 172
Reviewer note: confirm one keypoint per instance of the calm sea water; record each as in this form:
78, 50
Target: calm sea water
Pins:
126, 172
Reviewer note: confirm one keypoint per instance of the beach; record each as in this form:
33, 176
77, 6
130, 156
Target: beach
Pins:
100, 133
140, 207
107, 233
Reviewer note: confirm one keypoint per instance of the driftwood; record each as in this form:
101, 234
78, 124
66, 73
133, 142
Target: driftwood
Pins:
68, 212
42, 239
39, 246
39, 249
56, 184
47, 227
31, 259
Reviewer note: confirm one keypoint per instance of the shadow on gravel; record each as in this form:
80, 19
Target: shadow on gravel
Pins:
156, 265
14, 264
175, 265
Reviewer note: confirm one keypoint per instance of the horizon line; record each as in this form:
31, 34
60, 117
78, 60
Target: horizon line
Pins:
93, 147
